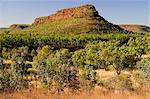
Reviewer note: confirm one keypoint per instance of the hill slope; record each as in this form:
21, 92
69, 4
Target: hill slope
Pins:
136, 28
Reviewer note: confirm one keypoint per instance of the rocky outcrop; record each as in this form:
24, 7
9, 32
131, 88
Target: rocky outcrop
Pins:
77, 20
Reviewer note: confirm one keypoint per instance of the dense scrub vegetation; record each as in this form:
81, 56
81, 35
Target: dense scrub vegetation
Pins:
57, 62
66, 41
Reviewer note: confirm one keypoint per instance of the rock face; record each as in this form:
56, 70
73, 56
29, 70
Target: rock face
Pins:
86, 10
136, 28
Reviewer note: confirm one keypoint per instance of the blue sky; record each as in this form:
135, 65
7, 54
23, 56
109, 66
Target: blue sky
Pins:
115, 11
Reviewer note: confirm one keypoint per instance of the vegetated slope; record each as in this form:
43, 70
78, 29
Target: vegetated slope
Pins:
136, 28
83, 19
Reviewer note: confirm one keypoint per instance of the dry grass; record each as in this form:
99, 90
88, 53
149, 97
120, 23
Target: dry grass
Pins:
97, 93
103, 74
146, 56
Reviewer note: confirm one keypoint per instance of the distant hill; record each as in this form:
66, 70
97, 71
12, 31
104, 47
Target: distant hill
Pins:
19, 26
15, 27
136, 28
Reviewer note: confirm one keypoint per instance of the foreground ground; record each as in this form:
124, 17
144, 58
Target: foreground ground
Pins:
98, 93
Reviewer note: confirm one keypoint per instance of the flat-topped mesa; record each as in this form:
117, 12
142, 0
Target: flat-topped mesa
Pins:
76, 12
77, 20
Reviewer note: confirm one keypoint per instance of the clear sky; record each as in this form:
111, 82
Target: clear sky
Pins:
115, 11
